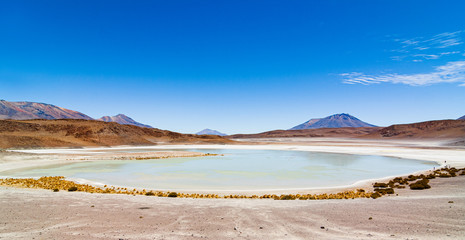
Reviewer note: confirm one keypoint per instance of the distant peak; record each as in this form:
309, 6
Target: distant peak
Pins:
208, 131
334, 121
123, 119
342, 114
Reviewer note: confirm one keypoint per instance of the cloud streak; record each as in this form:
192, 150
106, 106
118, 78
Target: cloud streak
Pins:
452, 72
421, 48
442, 40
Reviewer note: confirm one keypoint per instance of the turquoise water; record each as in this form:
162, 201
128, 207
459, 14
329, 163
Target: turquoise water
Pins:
236, 170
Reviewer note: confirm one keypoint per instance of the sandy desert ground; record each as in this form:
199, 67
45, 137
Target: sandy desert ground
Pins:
436, 213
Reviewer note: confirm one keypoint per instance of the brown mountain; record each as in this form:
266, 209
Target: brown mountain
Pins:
441, 129
76, 133
33, 110
320, 132
123, 119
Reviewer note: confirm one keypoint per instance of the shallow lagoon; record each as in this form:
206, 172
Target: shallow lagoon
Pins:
236, 170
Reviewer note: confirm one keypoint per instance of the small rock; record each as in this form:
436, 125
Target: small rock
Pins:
322, 227
235, 228
261, 227
370, 218
451, 201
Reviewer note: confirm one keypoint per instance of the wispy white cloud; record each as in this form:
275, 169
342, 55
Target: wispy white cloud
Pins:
445, 40
452, 72
442, 40
428, 48
434, 56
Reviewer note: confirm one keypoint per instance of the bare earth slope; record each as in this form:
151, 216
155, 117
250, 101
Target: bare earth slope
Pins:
306, 125
74, 133
444, 129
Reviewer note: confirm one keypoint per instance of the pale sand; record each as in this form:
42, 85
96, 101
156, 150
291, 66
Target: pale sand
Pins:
41, 214
427, 214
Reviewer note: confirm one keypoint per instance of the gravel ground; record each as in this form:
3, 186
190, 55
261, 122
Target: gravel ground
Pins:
437, 213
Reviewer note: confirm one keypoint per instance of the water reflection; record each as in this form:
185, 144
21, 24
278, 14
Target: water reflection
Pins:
334, 159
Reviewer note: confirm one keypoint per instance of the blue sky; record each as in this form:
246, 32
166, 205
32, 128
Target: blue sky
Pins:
237, 66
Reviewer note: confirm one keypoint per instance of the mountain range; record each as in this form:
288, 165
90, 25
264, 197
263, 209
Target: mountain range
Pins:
35, 110
79, 132
334, 121
439, 129
207, 131
331, 126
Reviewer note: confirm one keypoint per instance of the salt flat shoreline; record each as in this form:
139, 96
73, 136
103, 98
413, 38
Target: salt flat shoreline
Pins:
436, 213
454, 157
420, 150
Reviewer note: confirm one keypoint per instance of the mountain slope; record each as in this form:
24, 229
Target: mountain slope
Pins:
306, 125
333, 121
461, 118
33, 110
310, 133
123, 119
440, 129
77, 133
207, 131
